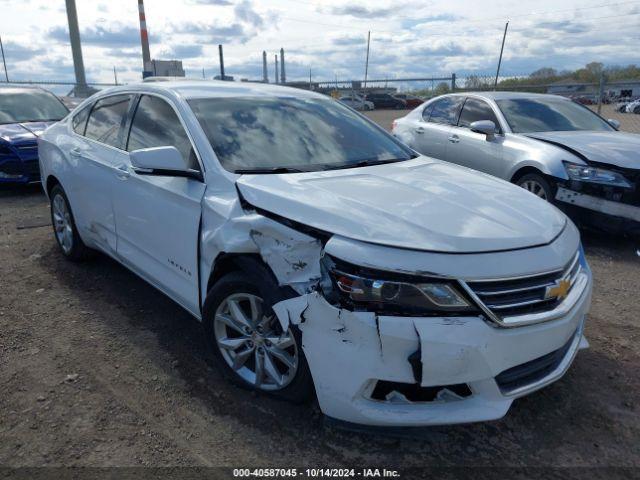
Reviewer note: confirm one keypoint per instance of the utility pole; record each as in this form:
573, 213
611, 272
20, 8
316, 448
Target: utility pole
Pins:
6, 74
277, 81
283, 75
601, 91
310, 84
115, 75
495, 84
366, 65
265, 74
76, 48
222, 77
203, 77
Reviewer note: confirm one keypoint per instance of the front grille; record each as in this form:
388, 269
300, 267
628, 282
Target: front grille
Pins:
532, 371
522, 296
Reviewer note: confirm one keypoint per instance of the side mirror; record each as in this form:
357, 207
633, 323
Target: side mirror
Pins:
165, 161
486, 127
614, 123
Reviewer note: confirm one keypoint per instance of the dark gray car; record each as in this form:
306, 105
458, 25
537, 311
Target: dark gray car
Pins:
557, 149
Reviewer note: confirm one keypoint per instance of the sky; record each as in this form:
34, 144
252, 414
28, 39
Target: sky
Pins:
409, 38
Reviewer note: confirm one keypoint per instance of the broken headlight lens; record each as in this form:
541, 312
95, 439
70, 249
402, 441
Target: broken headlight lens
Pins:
373, 292
586, 173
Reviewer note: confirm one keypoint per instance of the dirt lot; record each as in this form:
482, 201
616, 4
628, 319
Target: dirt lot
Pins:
99, 369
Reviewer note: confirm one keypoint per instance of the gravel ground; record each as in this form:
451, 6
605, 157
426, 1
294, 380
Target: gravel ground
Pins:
97, 368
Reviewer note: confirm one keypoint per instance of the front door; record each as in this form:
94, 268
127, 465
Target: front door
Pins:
472, 149
158, 217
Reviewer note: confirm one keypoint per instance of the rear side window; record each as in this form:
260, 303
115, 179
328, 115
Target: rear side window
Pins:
426, 113
475, 110
156, 124
446, 110
79, 121
106, 119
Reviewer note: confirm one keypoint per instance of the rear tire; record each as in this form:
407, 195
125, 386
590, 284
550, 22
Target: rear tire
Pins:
64, 227
538, 185
249, 348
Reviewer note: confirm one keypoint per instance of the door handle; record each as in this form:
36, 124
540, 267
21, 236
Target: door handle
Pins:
454, 139
123, 171
76, 152
419, 130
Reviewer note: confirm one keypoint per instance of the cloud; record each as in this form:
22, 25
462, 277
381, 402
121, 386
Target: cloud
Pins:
116, 35
183, 51
565, 26
16, 52
438, 18
347, 40
245, 13
363, 12
212, 2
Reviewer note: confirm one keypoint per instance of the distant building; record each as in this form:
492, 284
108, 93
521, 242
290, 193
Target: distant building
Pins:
614, 88
165, 68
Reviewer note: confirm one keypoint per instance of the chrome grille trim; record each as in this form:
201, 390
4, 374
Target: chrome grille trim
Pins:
521, 300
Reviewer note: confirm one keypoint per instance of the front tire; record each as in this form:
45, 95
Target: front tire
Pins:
64, 227
538, 185
247, 341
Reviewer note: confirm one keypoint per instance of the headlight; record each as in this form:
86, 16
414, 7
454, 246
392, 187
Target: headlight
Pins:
585, 173
374, 291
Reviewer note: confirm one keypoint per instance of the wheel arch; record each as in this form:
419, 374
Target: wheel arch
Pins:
51, 182
235, 262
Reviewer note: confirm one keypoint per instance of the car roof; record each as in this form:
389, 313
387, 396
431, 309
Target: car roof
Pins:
216, 88
509, 95
21, 89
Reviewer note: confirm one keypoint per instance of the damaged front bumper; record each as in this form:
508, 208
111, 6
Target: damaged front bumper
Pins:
599, 211
410, 371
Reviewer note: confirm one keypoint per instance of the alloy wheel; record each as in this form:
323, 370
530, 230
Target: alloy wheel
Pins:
253, 344
534, 187
62, 223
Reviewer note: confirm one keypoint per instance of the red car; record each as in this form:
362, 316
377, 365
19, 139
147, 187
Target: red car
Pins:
411, 100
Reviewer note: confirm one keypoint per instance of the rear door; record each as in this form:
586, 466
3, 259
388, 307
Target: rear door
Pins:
158, 217
96, 141
476, 150
432, 131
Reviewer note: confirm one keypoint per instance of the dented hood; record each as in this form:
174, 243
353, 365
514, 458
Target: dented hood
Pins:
422, 204
615, 148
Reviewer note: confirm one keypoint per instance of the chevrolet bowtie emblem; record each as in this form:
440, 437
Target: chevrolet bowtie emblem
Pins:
559, 290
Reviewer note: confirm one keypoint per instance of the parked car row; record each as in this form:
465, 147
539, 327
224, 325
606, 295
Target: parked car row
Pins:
397, 101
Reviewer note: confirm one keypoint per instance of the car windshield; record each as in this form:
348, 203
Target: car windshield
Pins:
30, 105
264, 135
526, 115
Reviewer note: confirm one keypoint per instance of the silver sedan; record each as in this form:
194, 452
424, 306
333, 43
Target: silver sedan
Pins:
557, 149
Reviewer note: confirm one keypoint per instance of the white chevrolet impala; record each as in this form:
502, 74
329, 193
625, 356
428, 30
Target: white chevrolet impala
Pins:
322, 256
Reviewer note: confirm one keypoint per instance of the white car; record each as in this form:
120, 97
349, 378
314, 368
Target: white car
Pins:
633, 107
356, 102
323, 256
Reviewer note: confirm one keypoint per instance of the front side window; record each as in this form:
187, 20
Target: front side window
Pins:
23, 105
525, 115
156, 124
266, 134
106, 119
446, 110
475, 110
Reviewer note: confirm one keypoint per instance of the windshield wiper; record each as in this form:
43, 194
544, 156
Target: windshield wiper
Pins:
269, 170
367, 163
